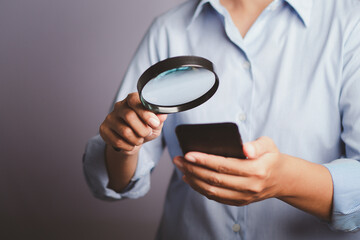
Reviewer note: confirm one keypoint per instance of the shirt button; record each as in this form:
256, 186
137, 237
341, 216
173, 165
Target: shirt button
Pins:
236, 227
246, 65
242, 117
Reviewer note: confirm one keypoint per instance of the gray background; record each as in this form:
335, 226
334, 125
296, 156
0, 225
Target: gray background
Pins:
61, 62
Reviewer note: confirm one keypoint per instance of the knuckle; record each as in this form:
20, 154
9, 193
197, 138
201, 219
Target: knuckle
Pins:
118, 143
132, 95
215, 179
129, 148
262, 174
139, 142
146, 132
111, 121
117, 105
244, 203
130, 116
189, 169
210, 193
132, 99
126, 132
245, 200
257, 188
223, 169
134, 141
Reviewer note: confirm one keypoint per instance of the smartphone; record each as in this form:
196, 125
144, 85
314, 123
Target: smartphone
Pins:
222, 139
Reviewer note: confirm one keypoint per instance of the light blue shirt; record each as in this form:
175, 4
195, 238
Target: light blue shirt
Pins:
294, 77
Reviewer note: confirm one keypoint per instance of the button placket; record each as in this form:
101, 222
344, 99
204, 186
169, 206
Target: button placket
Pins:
241, 117
246, 65
236, 227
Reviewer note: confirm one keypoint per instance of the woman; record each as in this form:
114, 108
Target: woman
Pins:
289, 78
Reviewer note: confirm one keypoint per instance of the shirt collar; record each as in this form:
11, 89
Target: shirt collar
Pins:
198, 10
301, 7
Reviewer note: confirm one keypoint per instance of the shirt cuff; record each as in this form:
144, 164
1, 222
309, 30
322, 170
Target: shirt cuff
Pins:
346, 199
97, 178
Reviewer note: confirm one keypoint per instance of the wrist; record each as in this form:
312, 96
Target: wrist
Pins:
290, 176
120, 166
307, 186
121, 152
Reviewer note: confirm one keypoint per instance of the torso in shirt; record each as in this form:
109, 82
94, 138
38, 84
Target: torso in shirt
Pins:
283, 81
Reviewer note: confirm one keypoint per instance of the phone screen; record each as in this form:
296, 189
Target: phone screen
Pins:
222, 139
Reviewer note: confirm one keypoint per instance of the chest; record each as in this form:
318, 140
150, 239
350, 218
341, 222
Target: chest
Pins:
283, 80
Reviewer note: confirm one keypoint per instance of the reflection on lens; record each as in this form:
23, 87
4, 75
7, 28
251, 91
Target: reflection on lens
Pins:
178, 86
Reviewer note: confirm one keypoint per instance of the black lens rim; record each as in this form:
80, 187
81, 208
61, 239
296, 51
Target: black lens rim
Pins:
169, 64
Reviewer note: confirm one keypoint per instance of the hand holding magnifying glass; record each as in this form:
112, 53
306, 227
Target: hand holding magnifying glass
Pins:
129, 125
170, 86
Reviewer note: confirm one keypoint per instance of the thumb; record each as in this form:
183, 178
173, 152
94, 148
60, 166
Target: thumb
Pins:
162, 117
157, 131
259, 147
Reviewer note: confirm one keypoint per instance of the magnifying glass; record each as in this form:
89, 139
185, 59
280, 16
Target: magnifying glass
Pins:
177, 84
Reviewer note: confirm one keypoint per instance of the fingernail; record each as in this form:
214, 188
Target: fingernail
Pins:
154, 122
190, 158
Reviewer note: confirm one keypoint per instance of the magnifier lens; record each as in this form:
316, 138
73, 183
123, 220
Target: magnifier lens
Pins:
178, 86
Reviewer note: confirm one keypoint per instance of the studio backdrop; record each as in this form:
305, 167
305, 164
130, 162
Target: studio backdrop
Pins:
61, 62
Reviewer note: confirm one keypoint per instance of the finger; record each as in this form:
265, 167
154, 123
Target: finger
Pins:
162, 117
232, 166
218, 194
259, 147
126, 133
148, 117
113, 139
157, 131
130, 117
120, 129
154, 134
214, 178
116, 149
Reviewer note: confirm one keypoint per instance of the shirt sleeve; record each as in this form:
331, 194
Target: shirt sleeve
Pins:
345, 172
94, 167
